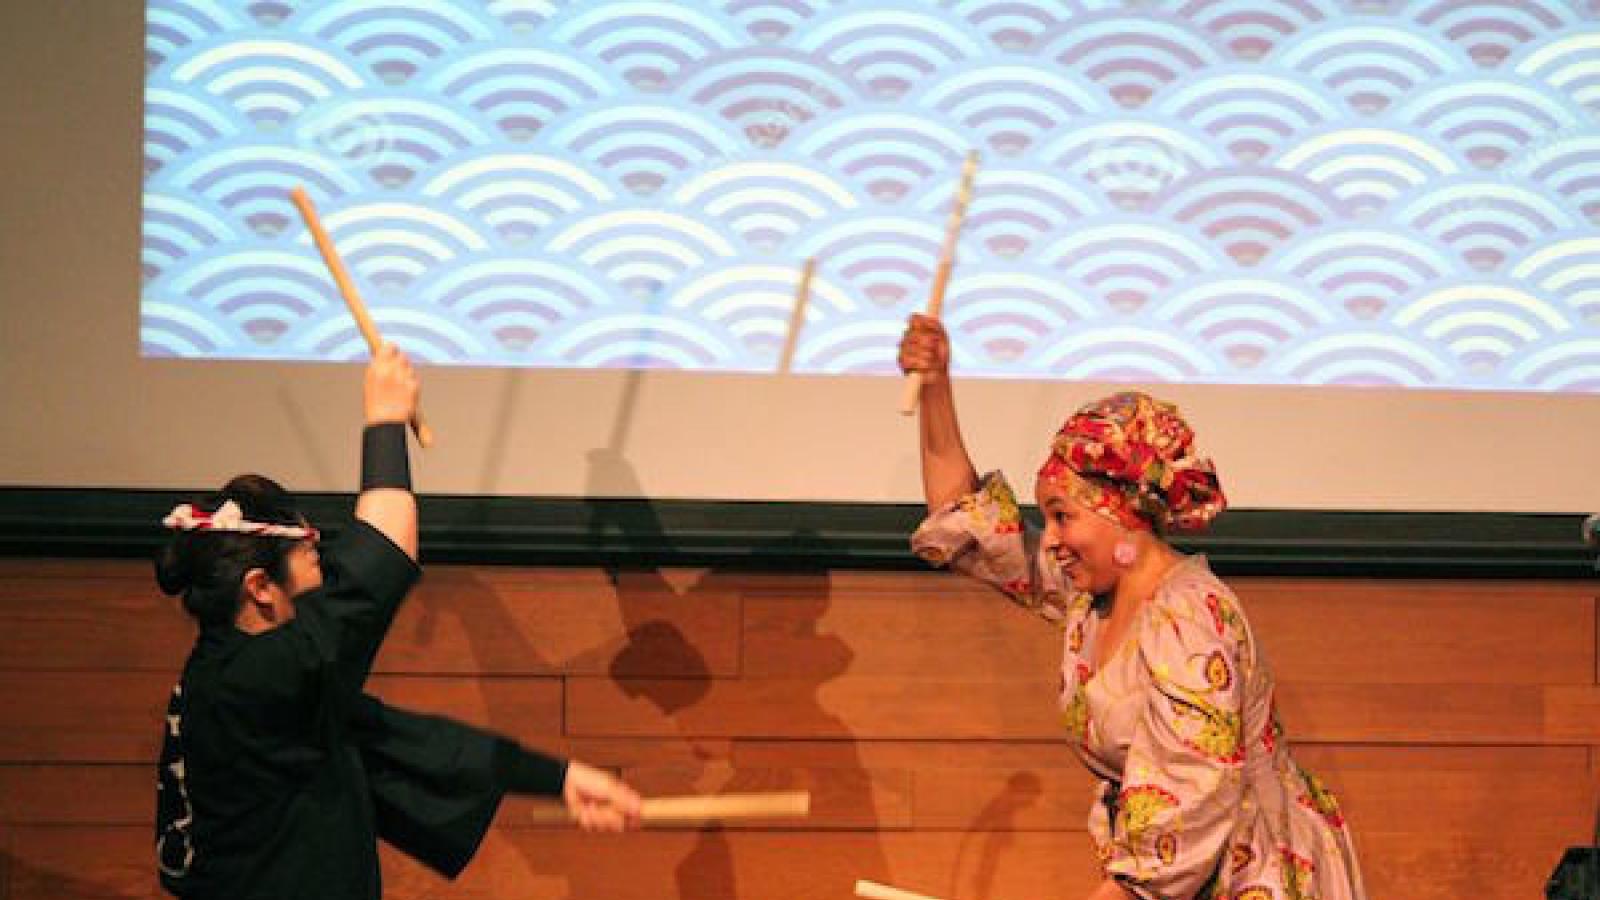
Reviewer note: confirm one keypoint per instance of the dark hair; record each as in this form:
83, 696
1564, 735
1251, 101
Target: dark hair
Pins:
207, 568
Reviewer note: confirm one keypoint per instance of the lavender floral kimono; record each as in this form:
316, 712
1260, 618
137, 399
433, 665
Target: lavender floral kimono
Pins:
1198, 795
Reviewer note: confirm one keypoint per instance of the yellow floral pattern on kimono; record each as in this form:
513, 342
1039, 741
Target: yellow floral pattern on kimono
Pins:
1075, 715
1319, 798
1138, 807
1298, 874
982, 534
1199, 795
1216, 730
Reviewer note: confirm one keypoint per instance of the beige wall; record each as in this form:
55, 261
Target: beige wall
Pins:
78, 407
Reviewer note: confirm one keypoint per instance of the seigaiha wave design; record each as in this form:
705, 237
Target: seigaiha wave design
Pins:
1317, 192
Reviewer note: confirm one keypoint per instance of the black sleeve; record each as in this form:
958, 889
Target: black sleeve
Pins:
365, 577
281, 700
523, 771
297, 682
436, 783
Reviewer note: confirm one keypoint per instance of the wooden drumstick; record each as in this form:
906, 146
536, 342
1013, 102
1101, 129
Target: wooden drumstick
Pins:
875, 891
347, 288
697, 808
797, 317
941, 275
717, 807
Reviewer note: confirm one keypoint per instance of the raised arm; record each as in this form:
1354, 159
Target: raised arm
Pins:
386, 502
374, 565
947, 471
983, 535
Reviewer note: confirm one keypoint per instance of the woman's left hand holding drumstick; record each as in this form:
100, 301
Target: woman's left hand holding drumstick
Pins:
352, 298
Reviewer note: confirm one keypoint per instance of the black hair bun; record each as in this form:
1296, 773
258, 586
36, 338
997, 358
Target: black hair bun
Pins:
173, 570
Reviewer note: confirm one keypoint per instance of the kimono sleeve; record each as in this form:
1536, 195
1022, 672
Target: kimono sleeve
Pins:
982, 535
432, 782
367, 576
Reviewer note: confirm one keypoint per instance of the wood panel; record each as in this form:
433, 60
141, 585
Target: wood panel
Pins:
841, 798
91, 623
1051, 753
1039, 787
82, 716
776, 866
76, 794
531, 864
1457, 790
1355, 632
520, 621
82, 863
681, 623
1313, 630
892, 634
878, 708
1413, 713
847, 706
1572, 714
1510, 863
458, 621
623, 753
58, 568
528, 709
1455, 720
116, 716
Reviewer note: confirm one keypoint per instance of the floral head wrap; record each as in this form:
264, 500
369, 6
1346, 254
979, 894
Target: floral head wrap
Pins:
1131, 459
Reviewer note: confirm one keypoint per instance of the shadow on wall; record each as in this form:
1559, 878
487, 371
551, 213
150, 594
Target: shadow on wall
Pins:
993, 831
709, 870
22, 879
651, 658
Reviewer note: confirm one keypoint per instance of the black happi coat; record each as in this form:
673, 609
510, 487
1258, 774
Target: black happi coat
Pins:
278, 774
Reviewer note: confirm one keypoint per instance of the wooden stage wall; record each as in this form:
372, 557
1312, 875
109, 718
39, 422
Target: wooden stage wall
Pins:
1459, 722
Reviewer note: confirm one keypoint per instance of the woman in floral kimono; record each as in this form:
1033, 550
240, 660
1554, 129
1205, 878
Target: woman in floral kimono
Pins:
1166, 693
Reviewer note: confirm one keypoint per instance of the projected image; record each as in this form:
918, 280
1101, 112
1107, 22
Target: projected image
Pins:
1366, 192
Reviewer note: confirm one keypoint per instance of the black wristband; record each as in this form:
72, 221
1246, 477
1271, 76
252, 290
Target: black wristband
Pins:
523, 771
385, 458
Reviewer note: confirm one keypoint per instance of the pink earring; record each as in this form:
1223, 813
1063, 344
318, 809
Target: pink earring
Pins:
1124, 553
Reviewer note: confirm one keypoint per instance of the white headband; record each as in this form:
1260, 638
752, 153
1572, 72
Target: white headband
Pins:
228, 517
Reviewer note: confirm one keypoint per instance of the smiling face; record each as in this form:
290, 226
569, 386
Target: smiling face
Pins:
1078, 539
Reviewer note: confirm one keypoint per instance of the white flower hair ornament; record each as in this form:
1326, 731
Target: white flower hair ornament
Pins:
229, 517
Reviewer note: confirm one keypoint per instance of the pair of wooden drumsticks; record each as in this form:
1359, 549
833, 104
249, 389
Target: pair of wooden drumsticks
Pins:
913, 385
